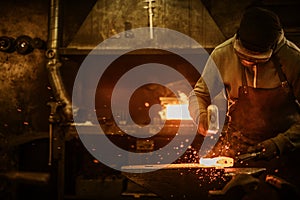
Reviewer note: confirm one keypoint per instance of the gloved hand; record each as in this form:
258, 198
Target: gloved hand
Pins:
202, 124
267, 149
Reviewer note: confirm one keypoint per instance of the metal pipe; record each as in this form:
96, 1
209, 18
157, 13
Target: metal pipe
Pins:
59, 92
53, 34
54, 63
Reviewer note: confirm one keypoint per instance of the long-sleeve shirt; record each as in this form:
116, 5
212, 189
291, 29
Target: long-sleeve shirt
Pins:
223, 72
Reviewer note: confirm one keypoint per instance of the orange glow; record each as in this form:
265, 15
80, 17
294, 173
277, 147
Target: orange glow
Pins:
95, 161
220, 161
147, 104
177, 112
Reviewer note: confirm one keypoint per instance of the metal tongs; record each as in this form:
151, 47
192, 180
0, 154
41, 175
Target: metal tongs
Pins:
248, 156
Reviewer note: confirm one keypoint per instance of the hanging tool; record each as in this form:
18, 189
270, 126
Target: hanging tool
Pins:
150, 8
52, 119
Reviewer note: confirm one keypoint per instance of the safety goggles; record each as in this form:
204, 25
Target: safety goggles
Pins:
250, 56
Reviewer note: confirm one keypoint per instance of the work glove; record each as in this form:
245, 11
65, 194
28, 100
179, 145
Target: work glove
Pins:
266, 150
202, 124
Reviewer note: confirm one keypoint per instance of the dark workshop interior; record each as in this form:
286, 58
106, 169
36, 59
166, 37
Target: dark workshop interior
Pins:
42, 46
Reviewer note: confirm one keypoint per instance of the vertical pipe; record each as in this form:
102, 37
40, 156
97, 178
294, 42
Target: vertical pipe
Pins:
54, 63
53, 34
59, 92
151, 19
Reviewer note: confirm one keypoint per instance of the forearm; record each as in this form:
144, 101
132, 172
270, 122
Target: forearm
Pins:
207, 87
199, 99
289, 140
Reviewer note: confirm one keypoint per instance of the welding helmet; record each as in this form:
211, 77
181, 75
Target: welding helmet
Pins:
258, 34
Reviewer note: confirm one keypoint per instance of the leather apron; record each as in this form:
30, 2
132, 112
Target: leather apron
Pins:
257, 115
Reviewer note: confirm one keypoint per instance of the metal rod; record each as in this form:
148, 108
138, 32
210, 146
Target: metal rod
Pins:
150, 13
151, 19
59, 92
50, 144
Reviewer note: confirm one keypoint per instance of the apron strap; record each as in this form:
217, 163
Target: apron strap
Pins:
282, 77
277, 64
244, 80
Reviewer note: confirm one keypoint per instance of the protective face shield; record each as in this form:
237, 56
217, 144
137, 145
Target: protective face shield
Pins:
257, 37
